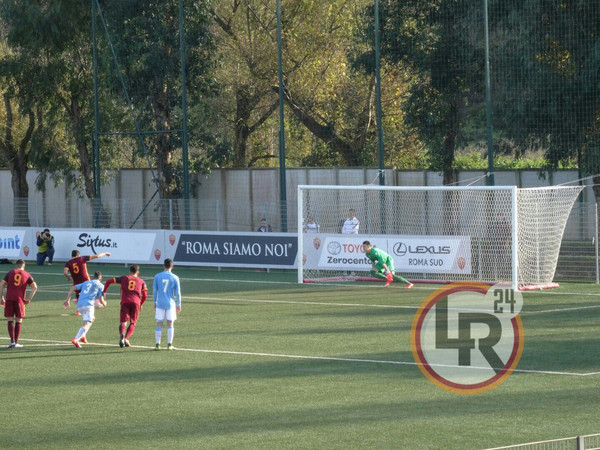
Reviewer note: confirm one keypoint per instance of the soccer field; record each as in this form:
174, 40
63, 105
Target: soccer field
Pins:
263, 362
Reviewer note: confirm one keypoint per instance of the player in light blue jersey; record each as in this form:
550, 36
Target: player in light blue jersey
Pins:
166, 292
90, 292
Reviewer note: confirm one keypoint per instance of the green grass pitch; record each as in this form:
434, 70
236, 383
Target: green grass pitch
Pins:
263, 362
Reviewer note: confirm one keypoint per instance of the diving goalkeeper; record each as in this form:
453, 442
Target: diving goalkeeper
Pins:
383, 265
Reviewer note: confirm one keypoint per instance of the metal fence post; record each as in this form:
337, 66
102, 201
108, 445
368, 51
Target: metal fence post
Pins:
218, 214
596, 242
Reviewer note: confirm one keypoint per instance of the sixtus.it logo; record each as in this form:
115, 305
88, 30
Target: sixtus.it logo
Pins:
467, 337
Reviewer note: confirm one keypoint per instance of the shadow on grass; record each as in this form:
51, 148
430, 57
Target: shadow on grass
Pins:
561, 355
272, 368
362, 311
392, 328
60, 351
406, 415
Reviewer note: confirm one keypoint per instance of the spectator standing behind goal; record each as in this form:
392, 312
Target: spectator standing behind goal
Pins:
383, 265
264, 226
311, 226
45, 243
16, 282
166, 292
351, 224
90, 290
133, 296
76, 269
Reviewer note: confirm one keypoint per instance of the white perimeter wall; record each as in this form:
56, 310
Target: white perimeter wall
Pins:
236, 199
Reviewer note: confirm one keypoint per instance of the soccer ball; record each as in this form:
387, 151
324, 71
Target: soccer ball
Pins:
98, 305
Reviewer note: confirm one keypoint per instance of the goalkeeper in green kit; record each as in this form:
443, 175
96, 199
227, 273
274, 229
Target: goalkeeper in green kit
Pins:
383, 265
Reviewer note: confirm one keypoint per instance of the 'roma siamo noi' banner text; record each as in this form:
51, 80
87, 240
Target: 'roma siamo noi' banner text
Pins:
265, 250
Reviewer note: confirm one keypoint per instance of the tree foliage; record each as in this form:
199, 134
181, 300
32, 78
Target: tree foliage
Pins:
146, 40
440, 43
50, 65
548, 81
544, 56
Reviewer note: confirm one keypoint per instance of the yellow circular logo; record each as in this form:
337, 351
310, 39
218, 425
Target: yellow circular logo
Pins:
467, 337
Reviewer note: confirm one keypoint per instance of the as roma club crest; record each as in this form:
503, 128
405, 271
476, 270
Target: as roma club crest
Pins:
157, 254
26, 250
172, 239
317, 243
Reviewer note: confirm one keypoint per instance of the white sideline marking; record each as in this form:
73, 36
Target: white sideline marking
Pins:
295, 302
416, 288
574, 308
363, 305
49, 343
292, 302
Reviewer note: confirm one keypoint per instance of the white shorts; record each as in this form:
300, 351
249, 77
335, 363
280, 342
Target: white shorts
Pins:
169, 314
87, 313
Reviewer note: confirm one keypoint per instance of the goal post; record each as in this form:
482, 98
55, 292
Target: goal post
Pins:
434, 234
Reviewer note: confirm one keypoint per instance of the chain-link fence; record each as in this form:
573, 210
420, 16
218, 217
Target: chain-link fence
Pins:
453, 77
197, 214
578, 258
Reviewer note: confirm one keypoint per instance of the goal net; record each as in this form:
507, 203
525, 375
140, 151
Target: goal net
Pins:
434, 234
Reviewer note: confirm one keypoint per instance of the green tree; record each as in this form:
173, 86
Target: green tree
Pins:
245, 31
330, 102
333, 99
22, 125
547, 56
15, 146
145, 35
440, 43
55, 35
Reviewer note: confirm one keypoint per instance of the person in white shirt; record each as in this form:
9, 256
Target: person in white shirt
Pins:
351, 224
311, 226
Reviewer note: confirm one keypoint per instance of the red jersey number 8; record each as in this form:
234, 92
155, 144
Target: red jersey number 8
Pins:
131, 285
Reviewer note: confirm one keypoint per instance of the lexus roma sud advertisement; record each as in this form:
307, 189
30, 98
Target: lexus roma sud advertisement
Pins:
423, 254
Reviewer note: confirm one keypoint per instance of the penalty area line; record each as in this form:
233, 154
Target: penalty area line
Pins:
295, 302
366, 305
307, 357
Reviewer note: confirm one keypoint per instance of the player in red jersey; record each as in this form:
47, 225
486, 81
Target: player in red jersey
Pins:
14, 304
133, 296
76, 269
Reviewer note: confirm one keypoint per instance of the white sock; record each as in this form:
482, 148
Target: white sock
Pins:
158, 334
80, 333
170, 334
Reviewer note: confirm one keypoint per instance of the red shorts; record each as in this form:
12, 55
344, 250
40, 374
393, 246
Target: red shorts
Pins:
130, 311
14, 309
